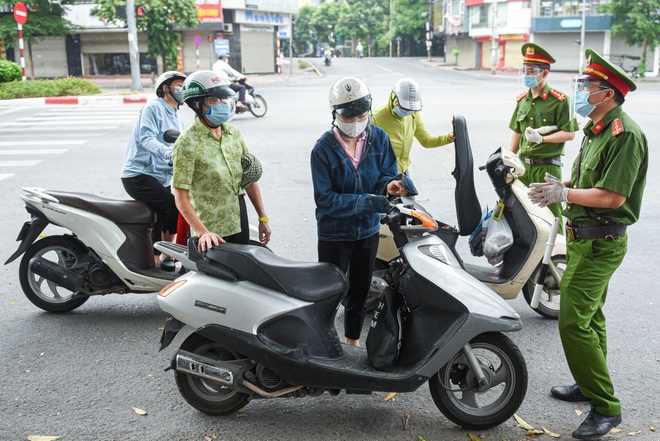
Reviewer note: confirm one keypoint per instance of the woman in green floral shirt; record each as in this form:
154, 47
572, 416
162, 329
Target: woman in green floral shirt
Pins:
208, 177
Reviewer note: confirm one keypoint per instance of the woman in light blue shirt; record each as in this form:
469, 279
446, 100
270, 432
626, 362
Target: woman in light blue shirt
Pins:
147, 171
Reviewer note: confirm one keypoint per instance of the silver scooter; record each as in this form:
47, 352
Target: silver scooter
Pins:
265, 328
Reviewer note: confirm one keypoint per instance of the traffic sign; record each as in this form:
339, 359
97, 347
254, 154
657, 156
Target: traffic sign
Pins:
369, 40
197, 40
20, 13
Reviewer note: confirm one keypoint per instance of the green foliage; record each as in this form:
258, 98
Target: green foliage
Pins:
44, 20
359, 19
636, 21
9, 71
162, 17
44, 88
302, 64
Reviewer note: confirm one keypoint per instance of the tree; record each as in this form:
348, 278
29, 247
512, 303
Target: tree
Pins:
159, 22
637, 22
44, 20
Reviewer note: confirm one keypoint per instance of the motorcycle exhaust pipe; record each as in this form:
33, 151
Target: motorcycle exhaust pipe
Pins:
203, 367
56, 273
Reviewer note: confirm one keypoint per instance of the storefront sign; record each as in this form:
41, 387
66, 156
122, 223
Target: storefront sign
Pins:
209, 10
261, 17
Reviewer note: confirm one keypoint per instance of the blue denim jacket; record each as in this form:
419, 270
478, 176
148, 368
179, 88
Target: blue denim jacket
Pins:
349, 200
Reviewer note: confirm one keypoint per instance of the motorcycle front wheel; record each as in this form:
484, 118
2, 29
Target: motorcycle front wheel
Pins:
459, 397
41, 292
205, 395
259, 106
549, 301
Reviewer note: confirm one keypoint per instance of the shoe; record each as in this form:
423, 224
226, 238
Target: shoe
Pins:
167, 264
596, 425
568, 393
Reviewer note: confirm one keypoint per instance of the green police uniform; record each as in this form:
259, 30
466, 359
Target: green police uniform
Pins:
551, 107
614, 156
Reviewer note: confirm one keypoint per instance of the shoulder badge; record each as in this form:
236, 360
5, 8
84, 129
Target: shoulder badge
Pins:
521, 96
617, 127
557, 94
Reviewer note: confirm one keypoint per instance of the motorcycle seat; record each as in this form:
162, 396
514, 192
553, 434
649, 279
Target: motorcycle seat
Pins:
118, 211
307, 281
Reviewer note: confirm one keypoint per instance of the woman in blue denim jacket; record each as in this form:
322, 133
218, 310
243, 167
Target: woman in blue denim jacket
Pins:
353, 170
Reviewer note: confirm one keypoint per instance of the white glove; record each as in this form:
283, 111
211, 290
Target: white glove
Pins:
543, 130
550, 192
533, 135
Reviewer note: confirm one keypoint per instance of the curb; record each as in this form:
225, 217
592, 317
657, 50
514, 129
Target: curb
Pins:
96, 100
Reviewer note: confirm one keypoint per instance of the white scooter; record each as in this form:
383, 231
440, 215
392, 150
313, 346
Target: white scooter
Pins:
256, 103
265, 328
109, 249
531, 225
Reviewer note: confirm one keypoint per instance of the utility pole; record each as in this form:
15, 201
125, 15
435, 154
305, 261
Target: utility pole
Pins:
391, 13
582, 34
133, 51
494, 49
429, 30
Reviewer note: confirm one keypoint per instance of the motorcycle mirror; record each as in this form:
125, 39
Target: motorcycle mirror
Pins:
170, 135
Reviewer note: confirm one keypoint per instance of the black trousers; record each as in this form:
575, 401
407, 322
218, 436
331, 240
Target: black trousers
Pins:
244, 236
147, 189
357, 259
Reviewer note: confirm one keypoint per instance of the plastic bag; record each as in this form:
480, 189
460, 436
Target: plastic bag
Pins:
477, 237
499, 239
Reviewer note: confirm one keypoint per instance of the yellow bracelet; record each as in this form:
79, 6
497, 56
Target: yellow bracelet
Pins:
264, 219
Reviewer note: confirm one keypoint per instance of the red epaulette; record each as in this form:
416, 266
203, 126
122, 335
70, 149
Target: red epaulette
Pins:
557, 94
521, 96
617, 127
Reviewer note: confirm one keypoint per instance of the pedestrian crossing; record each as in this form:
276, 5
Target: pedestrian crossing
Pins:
26, 141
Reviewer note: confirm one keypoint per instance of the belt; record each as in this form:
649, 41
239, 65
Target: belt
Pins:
542, 161
578, 231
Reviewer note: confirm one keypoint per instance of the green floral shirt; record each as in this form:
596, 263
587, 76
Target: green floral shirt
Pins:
210, 169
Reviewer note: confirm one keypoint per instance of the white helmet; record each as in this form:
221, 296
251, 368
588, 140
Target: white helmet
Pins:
350, 97
408, 94
166, 78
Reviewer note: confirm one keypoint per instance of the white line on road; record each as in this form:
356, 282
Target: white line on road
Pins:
42, 143
19, 163
5, 175
388, 70
15, 109
33, 152
55, 129
59, 123
76, 118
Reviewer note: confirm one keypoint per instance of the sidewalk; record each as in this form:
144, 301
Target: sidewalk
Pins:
117, 89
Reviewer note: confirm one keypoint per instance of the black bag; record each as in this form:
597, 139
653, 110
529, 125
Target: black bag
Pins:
386, 329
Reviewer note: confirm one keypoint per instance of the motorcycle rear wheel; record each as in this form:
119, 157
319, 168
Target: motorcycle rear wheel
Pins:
259, 106
549, 302
205, 395
471, 407
41, 292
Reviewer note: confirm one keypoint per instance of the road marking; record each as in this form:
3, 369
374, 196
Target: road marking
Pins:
5, 175
33, 152
16, 109
388, 70
53, 129
19, 163
59, 123
40, 143
77, 118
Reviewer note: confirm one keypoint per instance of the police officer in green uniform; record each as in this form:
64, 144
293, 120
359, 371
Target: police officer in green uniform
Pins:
602, 198
541, 122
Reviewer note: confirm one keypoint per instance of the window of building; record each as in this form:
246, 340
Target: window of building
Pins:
118, 64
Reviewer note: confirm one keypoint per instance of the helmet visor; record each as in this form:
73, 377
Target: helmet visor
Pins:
354, 108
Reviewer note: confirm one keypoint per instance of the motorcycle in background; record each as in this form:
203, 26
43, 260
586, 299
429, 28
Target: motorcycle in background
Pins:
531, 225
265, 328
327, 57
256, 103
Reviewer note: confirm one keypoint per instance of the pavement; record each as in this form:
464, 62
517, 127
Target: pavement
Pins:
118, 89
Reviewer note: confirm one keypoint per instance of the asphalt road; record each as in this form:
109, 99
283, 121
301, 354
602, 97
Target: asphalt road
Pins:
78, 375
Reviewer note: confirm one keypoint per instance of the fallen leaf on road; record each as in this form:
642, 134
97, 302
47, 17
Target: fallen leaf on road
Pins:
474, 437
652, 428
138, 411
615, 431
552, 434
43, 438
579, 412
241, 415
633, 433
534, 432
389, 396
522, 422
420, 438
405, 420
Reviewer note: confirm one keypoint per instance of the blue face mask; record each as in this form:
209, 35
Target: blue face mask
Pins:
530, 81
581, 102
402, 113
219, 113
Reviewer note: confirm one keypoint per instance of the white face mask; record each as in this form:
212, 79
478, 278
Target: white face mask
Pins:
352, 129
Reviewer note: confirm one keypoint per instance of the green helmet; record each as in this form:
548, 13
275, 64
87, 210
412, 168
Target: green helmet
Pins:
205, 83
